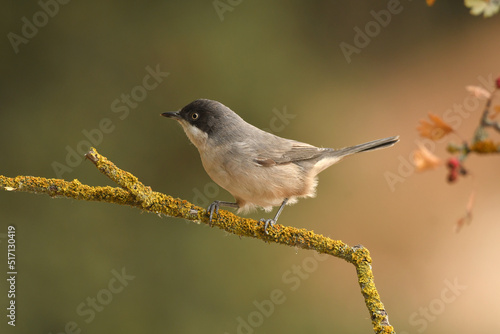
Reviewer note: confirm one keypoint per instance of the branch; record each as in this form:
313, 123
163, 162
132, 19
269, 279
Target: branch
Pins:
133, 193
485, 122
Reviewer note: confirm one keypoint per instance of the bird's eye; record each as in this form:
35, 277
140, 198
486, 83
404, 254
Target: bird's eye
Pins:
195, 116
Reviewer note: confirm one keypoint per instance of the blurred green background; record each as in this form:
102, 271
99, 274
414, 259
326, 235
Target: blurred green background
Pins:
259, 58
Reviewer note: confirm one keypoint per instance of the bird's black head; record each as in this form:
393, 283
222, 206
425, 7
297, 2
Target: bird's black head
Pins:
206, 115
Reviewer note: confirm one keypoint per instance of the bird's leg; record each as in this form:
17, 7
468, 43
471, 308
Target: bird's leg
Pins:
275, 219
214, 207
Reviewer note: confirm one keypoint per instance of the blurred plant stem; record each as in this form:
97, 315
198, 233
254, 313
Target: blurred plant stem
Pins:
480, 143
133, 193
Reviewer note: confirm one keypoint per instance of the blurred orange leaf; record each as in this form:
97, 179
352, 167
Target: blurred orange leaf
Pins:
430, 2
425, 159
435, 130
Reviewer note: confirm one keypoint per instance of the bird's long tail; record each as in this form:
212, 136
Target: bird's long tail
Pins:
372, 145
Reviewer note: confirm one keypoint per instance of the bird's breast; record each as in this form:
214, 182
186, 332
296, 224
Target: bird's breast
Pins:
251, 183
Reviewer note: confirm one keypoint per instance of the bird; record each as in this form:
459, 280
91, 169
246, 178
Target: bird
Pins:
258, 168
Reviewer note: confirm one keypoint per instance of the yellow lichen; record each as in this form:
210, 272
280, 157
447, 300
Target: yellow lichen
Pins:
133, 193
485, 146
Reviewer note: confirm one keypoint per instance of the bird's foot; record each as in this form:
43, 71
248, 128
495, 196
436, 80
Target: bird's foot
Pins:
267, 223
275, 219
214, 207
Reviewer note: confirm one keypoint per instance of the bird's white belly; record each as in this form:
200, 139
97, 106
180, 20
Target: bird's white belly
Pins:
253, 185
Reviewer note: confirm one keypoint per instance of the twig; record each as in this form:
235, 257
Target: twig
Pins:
480, 143
133, 193
485, 122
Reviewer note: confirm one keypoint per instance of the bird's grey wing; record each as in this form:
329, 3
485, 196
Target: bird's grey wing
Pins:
294, 152
284, 151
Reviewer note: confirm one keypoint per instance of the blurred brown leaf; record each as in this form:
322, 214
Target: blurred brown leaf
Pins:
436, 129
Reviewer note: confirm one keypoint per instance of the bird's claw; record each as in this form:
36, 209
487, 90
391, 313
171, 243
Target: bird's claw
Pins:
214, 207
267, 223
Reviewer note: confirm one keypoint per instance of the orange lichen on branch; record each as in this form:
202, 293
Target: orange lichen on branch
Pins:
133, 193
485, 146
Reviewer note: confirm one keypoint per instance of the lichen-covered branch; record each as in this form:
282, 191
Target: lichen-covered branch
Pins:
133, 193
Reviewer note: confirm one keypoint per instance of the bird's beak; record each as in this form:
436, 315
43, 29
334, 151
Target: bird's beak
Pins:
171, 114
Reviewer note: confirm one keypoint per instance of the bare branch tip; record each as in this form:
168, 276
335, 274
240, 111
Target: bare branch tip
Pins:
92, 155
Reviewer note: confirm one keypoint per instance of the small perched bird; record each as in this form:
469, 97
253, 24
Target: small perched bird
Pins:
258, 168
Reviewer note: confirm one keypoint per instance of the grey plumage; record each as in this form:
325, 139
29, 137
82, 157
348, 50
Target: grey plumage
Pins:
258, 168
